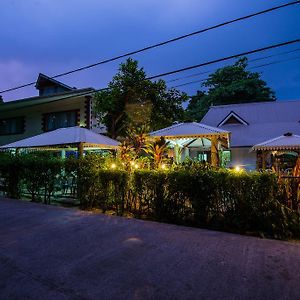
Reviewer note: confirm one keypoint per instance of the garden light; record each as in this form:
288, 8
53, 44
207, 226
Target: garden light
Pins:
136, 166
163, 166
237, 168
113, 166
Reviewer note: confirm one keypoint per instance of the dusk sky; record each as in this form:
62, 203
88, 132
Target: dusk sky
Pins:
51, 36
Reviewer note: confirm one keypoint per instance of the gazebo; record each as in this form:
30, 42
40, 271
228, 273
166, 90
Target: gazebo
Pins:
70, 138
287, 143
192, 139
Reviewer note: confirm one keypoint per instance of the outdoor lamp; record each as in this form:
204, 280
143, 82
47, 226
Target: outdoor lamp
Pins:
163, 166
237, 168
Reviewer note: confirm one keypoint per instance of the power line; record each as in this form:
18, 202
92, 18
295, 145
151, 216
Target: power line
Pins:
227, 58
276, 54
189, 76
250, 60
251, 68
275, 62
159, 44
192, 67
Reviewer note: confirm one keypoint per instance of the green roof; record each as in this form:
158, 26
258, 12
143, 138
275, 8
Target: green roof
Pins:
33, 101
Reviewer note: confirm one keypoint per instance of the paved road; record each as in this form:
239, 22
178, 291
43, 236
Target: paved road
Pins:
48, 252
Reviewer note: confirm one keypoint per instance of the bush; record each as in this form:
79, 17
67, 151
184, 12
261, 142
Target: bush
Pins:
40, 174
191, 194
11, 174
37, 172
100, 187
224, 200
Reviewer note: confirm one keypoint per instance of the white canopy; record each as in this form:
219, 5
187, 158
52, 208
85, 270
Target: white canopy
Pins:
188, 130
287, 141
65, 136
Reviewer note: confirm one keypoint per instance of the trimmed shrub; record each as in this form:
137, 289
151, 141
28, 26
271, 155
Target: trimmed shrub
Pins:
190, 194
11, 173
40, 175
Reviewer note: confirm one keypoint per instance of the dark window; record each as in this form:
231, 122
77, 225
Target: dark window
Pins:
232, 120
12, 126
60, 119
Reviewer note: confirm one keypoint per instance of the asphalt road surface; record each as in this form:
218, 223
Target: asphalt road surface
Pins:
49, 252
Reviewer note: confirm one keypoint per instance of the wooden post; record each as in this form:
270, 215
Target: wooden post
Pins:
214, 151
186, 152
263, 159
80, 150
258, 159
178, 153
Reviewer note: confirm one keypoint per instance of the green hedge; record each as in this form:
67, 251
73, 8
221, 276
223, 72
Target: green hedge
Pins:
223, 200
191, 195
243, 202
36, 172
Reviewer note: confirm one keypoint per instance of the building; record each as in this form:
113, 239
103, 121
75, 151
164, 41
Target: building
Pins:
57, 105
253, 123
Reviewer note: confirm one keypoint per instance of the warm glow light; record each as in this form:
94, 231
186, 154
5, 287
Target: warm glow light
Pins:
132, 163
136, 166
113, 166
163, 166
237, 168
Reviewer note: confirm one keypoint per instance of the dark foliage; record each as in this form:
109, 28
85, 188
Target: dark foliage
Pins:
192, 194
131, 99
230, 84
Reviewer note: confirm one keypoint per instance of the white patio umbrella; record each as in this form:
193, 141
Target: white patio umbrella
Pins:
189, 130
287, 141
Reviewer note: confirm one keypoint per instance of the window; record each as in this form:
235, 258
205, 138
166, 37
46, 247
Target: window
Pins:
51, 90
62, 119
202, 156
12, 126
232, 118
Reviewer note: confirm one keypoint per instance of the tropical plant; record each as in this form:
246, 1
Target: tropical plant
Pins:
137, 137
157, 151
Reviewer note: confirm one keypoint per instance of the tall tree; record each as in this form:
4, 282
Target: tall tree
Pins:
228, 85
166, 106
132, 100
